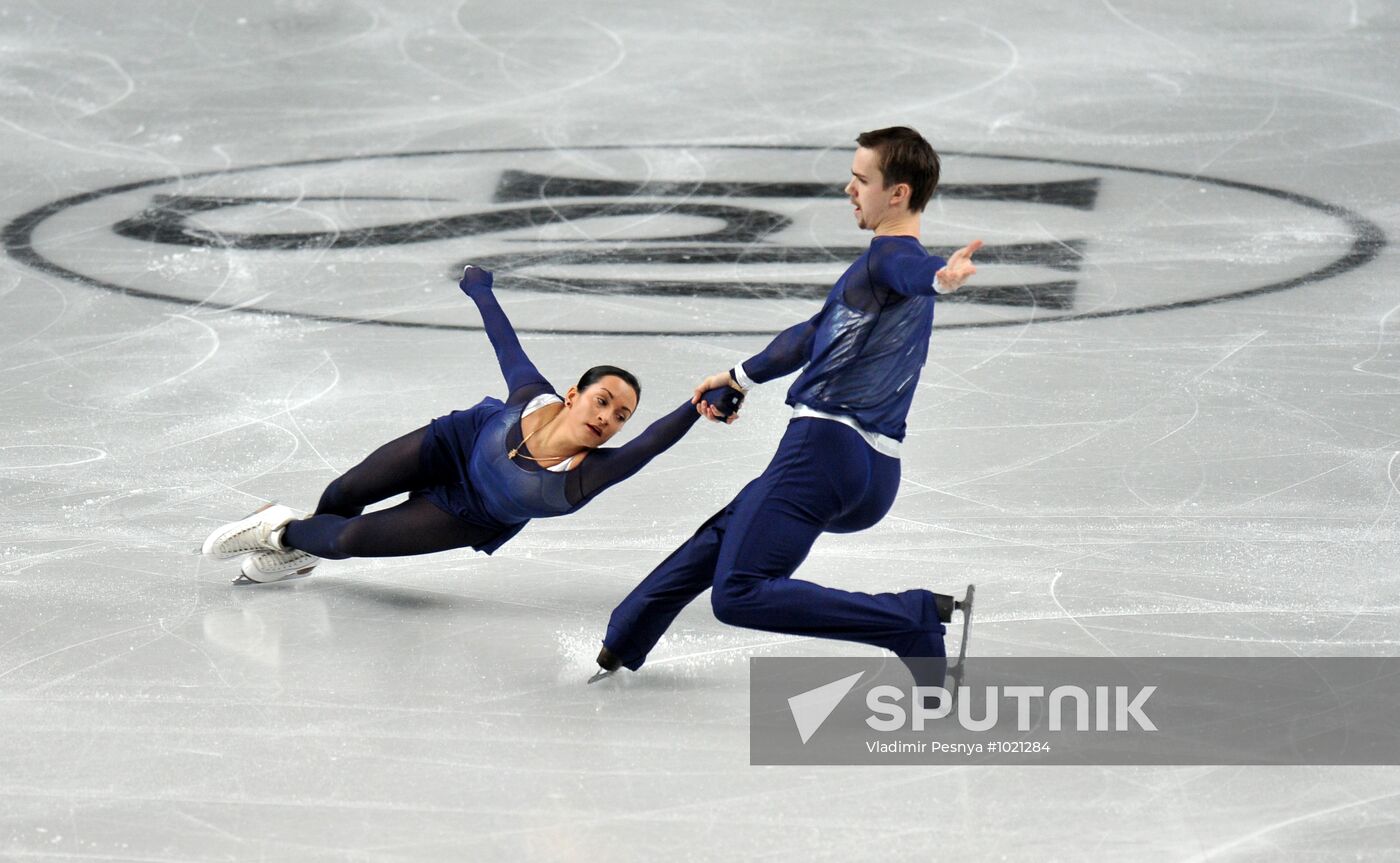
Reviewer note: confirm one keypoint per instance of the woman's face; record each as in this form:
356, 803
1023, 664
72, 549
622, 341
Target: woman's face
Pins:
599, 412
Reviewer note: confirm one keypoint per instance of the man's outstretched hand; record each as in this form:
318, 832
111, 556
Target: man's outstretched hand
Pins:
958, 269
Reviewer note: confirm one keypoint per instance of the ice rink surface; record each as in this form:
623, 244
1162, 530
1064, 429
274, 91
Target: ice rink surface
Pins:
1163, 422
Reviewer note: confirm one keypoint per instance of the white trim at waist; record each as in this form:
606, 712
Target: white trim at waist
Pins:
878, 442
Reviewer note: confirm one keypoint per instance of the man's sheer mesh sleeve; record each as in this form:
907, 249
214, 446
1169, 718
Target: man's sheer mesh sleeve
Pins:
906, 271
788, 352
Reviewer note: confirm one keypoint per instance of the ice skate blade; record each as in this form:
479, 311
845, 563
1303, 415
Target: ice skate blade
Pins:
296, 576
600, 674
957, 675
967, 625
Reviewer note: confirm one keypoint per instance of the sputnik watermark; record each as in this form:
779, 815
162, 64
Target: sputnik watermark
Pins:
811, 708
1113, 708
1336, 710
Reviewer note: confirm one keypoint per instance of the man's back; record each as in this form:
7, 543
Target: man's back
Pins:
870, 340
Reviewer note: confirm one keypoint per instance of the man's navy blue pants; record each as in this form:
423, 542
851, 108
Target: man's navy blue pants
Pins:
823, 478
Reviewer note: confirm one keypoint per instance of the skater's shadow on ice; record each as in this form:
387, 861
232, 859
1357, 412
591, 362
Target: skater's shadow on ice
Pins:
407, 599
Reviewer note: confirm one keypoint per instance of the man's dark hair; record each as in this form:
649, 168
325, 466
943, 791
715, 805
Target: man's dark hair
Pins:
905, 157
597, 373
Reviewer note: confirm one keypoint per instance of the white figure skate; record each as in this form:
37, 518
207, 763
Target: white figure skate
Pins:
269, 566
261, 531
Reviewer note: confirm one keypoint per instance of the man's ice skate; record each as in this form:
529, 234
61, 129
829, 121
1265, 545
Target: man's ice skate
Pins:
261, 531
946, 605
608, 664
950, 674
269, 566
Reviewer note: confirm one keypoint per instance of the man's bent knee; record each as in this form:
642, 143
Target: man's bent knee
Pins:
738, 601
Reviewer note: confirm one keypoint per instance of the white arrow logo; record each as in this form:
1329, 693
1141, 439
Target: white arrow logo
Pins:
811, 708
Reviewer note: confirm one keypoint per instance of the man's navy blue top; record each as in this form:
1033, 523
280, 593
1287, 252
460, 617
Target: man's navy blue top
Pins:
864, 350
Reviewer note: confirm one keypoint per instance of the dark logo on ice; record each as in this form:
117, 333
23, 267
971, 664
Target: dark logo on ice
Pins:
675, 239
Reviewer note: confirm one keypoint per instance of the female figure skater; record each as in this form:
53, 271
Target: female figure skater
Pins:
474, 477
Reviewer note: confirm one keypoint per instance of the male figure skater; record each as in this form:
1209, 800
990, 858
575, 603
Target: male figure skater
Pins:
837, 467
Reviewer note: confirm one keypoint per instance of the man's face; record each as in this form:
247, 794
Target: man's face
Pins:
867, 189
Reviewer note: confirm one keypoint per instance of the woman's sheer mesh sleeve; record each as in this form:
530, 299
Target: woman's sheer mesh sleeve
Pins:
522, 378
607, 467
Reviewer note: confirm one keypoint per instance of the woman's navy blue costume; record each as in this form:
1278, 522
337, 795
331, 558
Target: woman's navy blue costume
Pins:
464, 489
836, 470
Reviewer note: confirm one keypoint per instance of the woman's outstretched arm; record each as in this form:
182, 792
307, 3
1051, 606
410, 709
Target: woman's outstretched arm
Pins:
516, 367
607, 467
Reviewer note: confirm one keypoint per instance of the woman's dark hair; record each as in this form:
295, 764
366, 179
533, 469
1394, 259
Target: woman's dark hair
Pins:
905, 157
597, 373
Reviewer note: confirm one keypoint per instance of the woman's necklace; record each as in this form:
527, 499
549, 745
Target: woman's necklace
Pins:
556, 459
